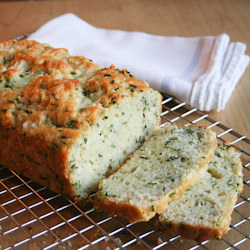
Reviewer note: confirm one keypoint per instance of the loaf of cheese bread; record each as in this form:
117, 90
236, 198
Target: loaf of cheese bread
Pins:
64, 121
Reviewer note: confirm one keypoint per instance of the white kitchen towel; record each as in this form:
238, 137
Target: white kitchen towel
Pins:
201, 71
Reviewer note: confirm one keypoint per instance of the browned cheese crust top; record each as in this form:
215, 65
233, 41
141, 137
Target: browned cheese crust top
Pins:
50, 94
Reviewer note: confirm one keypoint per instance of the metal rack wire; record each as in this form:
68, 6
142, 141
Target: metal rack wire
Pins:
33, 217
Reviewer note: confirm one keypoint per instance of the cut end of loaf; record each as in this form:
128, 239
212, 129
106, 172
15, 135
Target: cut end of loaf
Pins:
128, 211
116, 134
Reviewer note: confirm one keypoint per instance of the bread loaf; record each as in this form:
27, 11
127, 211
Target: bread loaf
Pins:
204, 211
157, 173
65, 122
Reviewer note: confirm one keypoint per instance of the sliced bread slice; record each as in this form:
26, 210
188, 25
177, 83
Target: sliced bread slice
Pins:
157, 173
204, 211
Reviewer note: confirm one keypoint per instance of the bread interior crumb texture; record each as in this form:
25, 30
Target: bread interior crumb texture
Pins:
160, 170
118, 133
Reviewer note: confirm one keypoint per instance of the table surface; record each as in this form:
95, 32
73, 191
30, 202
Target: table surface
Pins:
170, 18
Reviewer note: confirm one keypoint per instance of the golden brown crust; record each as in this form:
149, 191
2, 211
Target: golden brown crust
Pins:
193, 232
128, 211
57, 86
36, 160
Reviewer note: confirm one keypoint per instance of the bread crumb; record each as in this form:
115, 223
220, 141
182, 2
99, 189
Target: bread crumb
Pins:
159, 241
69, 243
60, 246
118, 240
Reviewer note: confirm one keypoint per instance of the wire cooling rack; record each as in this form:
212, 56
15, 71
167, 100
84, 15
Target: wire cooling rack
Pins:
33, 217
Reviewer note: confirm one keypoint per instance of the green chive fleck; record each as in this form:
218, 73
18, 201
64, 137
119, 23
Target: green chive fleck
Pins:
18, 101
89, 122
132, 87
71, 124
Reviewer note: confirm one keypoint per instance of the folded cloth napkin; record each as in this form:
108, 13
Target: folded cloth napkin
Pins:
201, 71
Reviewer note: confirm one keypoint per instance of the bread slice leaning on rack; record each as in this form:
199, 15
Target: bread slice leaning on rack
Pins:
65, 122
204, 211
157, 173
